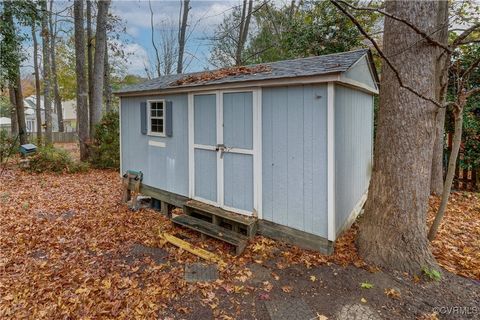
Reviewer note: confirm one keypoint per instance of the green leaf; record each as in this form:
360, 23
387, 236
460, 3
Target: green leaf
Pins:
366, 285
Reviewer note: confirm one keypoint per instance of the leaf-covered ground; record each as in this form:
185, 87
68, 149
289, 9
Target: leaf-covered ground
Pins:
70, 250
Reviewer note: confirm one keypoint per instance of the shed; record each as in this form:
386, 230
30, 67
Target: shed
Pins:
285, 151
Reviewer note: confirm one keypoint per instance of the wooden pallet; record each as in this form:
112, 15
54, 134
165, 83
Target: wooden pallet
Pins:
218, 216
234, 238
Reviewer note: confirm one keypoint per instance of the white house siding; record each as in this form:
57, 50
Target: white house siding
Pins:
294, 155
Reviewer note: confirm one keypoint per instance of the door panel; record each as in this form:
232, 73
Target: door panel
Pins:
205, 141
238, 162
206, 174
238, 181
205, 126
237, 120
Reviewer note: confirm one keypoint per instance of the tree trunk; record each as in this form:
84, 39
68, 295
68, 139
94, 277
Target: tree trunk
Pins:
99, 65
90, 62
452, 163
393, 231
22, 128
38, 102
181, 35
441, 78
46, 73
13, 110
56, 92
239, 49
82, 94
108, 89
152, 29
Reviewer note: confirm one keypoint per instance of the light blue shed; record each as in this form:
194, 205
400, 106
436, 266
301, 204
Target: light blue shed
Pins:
289, 147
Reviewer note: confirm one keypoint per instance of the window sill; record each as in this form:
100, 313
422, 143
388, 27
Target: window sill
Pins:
154, 134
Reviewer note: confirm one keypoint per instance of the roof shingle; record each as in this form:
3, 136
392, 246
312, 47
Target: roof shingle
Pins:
311, 66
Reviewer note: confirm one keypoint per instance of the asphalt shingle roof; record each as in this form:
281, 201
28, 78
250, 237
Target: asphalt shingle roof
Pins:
311, 66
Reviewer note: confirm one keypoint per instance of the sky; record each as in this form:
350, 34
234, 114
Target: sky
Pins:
204, 17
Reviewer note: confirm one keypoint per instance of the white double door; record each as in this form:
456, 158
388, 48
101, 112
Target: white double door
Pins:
224, 149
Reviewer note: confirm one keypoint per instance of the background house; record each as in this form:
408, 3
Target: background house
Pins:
69, 114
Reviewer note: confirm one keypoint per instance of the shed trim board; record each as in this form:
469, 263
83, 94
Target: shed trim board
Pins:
254, 152
331, 160
325, 78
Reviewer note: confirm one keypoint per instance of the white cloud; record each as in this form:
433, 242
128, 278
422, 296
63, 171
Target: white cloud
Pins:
137, 58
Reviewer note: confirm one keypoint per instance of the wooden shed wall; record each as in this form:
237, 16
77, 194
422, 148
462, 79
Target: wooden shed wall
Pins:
294, 156
165, 167
353, 149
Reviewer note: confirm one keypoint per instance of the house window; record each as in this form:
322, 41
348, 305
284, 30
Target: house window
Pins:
156, 118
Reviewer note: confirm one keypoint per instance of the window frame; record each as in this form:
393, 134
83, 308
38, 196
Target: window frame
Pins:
149, 118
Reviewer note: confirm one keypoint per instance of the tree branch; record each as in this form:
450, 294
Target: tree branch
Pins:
382, 55
409, 24
465, 34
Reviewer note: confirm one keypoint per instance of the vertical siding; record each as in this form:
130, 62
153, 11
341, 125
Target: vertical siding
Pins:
353, 149
294, 156
165, 168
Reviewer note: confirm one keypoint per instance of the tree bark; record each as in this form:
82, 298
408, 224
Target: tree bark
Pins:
82, 92
19, 106
393, 231
38, 93
13, 110
56, 92
152, 29
441, 78
46, 73
452, 163
181, 35
99, 65
239, 49
108, 89
90, 61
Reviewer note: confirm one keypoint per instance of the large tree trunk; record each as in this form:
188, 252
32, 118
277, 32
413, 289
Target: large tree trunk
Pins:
82, 106
393, 231
99, 66
181, 35
56, 92
13, 110
90, 61
107, 85
441, 78
38, 106
46, 73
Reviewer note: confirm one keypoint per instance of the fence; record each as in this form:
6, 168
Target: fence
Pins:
466, 176
57, 137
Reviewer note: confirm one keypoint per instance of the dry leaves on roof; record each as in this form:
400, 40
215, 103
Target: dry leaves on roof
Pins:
220, 74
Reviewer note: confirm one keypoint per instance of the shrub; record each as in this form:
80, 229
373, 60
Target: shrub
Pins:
8, 145
105, 150
51, 159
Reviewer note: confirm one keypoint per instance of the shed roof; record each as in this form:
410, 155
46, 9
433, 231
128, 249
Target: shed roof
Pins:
311, 66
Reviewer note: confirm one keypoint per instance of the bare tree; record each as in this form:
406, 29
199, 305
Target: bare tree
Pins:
38, 107
82, 94
90, 61
441, 78
46, 72
56, 92
99, 64
244, 26
152, 28
185, 5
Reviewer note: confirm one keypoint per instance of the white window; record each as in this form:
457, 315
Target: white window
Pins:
156, 120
